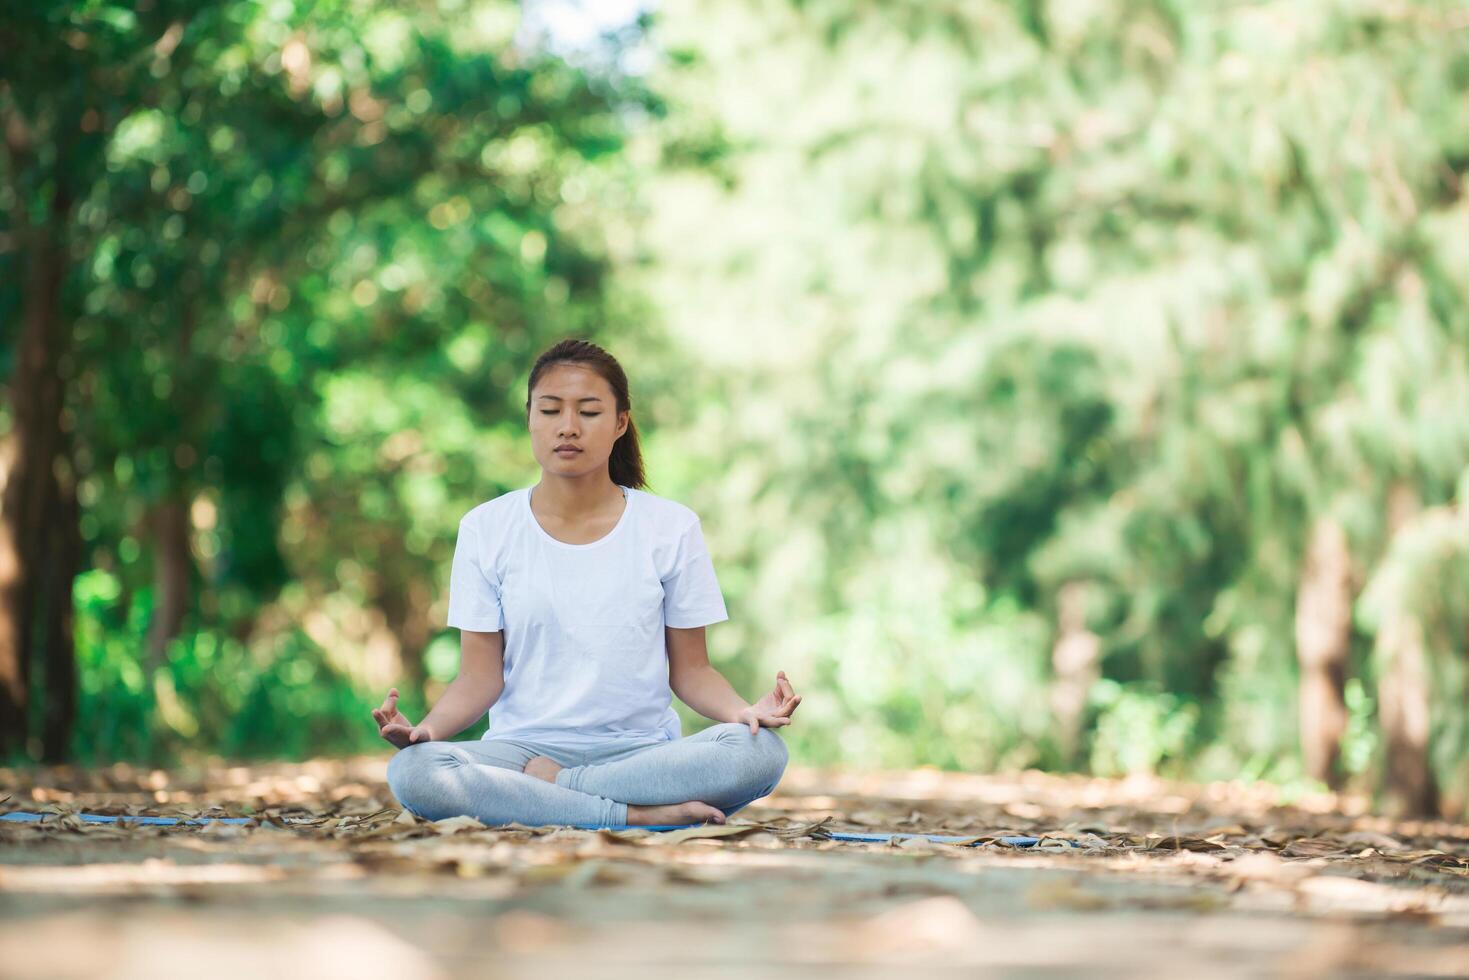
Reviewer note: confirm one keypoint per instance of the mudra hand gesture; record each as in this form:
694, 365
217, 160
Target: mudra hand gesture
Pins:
773, 710
394, 726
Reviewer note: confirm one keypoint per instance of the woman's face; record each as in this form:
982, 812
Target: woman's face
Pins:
573, 405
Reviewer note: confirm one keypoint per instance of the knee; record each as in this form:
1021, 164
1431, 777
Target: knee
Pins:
767, 751
406, 770
773, 753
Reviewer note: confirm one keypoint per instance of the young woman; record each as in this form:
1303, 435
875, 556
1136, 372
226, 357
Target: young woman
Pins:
581, 604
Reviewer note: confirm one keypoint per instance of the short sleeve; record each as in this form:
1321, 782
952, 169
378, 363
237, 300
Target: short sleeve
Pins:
691, 595
474, 597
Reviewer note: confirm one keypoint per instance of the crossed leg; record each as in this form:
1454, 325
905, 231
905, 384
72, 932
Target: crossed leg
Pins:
484, 779
723, 765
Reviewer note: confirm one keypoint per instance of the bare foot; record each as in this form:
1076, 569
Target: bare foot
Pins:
543, 767
672, 813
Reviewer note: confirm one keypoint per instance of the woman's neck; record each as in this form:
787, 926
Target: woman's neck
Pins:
572, 498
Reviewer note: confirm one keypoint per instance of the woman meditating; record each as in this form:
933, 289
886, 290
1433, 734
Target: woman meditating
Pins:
581, 604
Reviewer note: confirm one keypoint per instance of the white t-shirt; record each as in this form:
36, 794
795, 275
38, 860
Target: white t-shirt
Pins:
585, 654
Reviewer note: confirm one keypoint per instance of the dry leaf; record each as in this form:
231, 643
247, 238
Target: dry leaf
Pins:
630, 836
816, 830
1313, 847
1092, 842
70, 821
215, 828
453, 825
1368, 838
1053, 844
1228, 830
919, 845
706, 830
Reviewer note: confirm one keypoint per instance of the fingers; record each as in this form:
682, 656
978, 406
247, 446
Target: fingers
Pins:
403, 735
788, 705
783, 687
774, 719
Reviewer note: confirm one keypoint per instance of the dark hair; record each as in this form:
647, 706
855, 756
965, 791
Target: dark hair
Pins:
625, 466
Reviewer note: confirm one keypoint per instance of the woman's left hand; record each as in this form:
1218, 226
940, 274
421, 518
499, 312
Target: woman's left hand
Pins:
774, 709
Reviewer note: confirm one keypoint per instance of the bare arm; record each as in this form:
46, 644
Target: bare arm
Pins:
479, 685
696, 682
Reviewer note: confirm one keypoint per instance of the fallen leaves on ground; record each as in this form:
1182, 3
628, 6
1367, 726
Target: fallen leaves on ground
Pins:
342, 811
325, 857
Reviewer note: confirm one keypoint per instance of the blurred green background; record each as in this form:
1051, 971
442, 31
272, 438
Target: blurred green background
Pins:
1076, 384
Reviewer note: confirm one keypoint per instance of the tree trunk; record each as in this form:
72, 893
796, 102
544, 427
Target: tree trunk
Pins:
1323, 640
171, 524
173, 565
1075, 662
59, 699
30, 606
14, 677
1403, 692
404, 607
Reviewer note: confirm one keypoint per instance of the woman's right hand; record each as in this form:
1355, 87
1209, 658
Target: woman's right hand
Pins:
394, 726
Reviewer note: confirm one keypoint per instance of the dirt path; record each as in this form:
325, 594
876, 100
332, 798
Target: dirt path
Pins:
331, 879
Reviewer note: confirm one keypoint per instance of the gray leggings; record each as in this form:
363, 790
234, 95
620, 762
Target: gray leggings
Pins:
723, 765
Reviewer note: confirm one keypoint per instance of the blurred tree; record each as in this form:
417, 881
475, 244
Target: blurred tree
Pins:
1122, 294
235, 221
1323, 642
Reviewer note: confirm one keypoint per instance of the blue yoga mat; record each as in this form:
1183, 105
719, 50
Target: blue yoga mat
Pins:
27, 817
23, 816
878, 838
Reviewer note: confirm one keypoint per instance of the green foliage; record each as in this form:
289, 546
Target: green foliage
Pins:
287, 702
1119, 295
1138, 730
116, 707
311, 709
313, 245
1360, 741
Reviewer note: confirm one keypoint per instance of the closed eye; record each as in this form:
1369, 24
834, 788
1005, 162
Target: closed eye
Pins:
552, 411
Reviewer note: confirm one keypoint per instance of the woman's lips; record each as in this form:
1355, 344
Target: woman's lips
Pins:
567, 452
